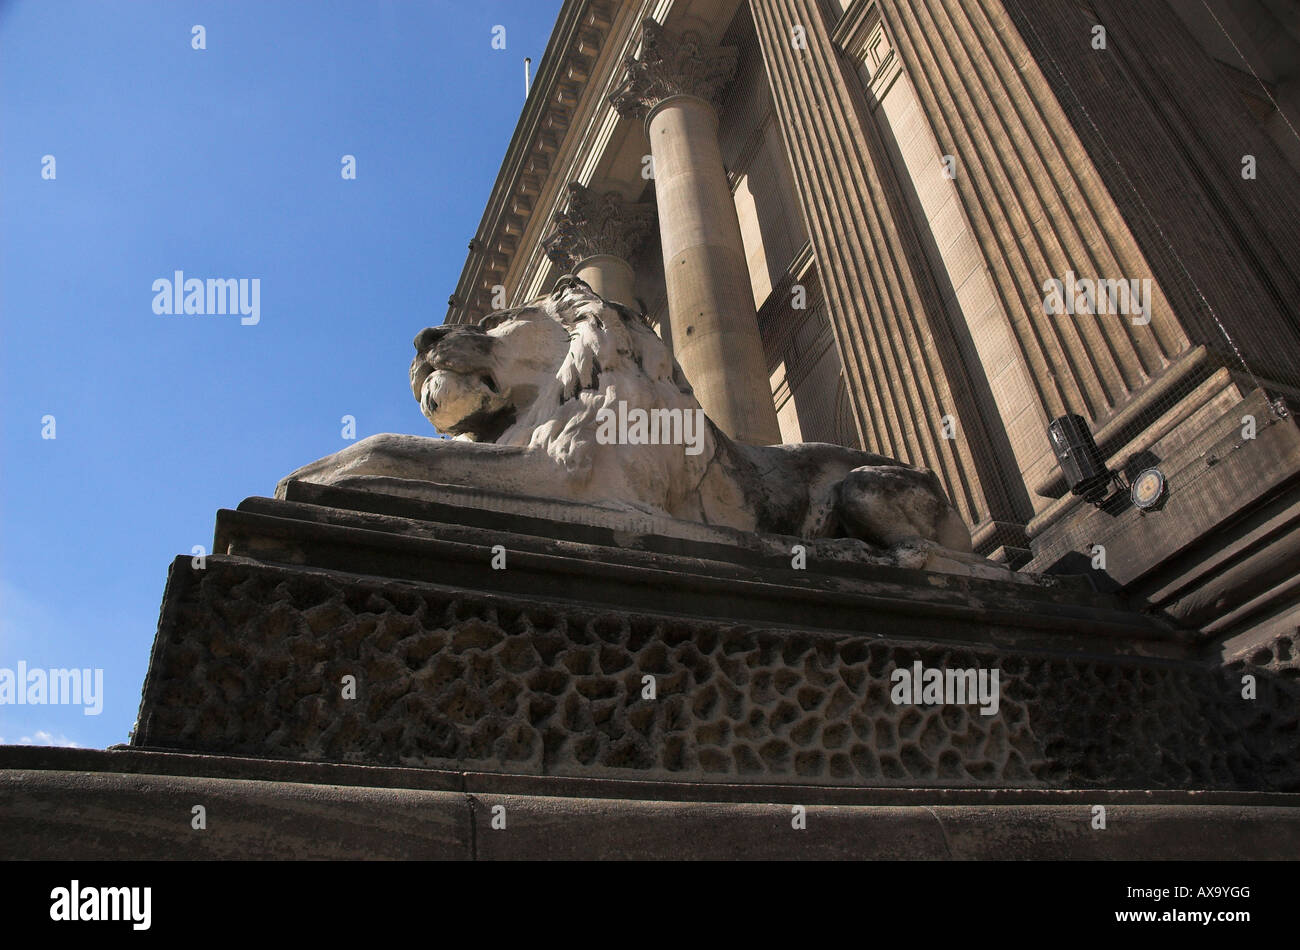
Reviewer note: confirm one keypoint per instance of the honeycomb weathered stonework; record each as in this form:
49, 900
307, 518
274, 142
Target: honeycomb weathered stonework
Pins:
1279, 656
251, 660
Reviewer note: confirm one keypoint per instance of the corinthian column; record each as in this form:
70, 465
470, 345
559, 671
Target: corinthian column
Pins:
674, 87
594, 238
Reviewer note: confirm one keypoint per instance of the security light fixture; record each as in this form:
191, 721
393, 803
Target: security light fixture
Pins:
1081, 461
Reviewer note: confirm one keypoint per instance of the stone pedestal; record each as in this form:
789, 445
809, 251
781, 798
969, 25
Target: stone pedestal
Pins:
371, 675
348, 626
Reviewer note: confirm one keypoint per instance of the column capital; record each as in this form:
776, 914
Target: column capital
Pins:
672, 65
597, 224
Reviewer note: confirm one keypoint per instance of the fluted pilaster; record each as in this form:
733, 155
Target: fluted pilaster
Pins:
896, 343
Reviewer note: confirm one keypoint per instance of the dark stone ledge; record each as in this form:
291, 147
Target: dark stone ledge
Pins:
93, 805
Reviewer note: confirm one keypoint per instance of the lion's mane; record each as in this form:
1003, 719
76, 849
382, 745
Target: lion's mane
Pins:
552, 387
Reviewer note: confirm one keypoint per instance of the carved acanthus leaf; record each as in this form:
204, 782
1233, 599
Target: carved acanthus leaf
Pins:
597, 224
672, 65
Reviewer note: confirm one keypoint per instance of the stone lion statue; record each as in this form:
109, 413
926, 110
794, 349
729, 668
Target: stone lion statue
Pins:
575, 397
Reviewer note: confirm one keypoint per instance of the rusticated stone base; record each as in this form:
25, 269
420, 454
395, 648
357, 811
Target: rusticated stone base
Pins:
252, 659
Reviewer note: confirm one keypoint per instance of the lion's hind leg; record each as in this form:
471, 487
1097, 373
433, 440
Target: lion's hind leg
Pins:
893, 504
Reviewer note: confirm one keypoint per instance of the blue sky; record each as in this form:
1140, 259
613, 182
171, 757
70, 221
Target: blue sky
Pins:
224, 163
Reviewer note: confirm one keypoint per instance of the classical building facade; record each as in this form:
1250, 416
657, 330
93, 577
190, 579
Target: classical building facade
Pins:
885, 223
928, 228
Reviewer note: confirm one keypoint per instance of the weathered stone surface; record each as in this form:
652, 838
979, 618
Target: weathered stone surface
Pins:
632, 561
671, 65
77, 804
596, 224
94, 815
250, 660
1276, 657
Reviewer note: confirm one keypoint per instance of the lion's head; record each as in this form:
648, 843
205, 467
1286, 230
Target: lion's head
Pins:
546, 374
472, 381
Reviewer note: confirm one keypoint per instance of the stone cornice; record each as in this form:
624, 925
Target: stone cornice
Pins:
672, 65
596, 127
562, 75
597, 224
